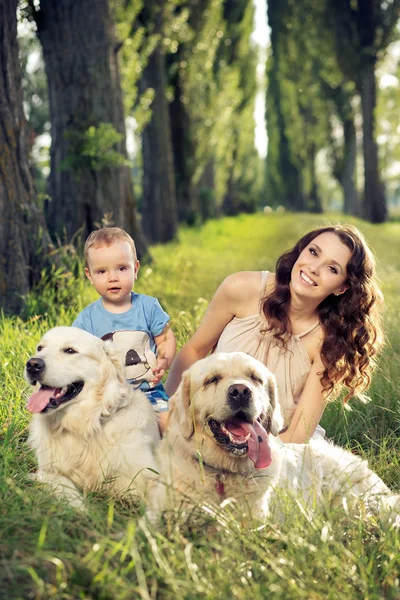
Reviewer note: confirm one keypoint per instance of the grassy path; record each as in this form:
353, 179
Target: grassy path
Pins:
48, 551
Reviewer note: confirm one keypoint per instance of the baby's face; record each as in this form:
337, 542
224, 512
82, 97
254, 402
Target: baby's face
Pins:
113, 270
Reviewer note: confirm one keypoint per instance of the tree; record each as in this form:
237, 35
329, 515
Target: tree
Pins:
296, 114
159, 207
23, 234
240, 56
363, 31
90, 180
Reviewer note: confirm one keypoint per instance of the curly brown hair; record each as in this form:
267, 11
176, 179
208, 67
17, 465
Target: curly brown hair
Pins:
351, 322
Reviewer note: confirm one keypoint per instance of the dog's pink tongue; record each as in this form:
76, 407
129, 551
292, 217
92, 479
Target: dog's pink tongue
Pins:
259, 449
40, 399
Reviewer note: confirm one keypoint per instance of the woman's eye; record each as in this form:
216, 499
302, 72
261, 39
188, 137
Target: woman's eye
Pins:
333, 270
70, 351
313, 252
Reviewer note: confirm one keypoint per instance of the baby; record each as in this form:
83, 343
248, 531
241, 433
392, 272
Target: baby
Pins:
137, 325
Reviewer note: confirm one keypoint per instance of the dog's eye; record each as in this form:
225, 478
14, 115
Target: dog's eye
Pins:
256, 379
213, 379
39, 348
70, 351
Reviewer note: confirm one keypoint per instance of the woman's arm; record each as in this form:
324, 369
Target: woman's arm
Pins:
235, 291
309, 409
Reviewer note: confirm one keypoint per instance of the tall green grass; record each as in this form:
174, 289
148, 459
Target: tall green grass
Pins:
49, 551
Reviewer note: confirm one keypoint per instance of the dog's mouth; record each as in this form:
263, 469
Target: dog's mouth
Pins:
240, 437
50, 398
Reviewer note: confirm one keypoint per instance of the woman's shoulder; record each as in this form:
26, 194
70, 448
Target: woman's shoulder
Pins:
246, 287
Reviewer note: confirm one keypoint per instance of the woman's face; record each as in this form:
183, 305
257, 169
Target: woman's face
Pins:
321, 268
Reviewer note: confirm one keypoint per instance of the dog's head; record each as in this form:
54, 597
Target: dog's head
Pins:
68, 361
231, 400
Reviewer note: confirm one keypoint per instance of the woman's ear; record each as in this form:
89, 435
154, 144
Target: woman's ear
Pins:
341, 290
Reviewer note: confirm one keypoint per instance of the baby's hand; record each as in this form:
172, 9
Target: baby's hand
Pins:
159, 371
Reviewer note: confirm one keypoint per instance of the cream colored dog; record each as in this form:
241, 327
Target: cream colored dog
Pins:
89, 428
221, 442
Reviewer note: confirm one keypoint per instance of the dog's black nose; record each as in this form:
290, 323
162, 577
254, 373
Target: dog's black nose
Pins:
239, 395
35, 366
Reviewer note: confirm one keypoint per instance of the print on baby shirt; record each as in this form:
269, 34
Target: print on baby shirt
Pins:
135, 354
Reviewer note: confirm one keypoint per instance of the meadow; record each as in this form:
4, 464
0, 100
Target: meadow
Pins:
49, 551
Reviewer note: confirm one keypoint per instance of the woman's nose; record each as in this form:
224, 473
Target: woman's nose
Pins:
314, 268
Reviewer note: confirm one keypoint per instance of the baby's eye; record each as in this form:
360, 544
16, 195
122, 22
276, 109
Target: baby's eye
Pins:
122, 268
100, 272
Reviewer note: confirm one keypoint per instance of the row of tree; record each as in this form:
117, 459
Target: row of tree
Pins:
188, 76
321, 75
185, 70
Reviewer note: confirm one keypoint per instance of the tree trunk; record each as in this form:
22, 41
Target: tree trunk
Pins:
346, 179
231, 202
84, 91
184, 156
375, 209
315, 204
205, 191
23, 233
160, 215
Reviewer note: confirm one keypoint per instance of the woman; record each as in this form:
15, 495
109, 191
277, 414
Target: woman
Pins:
315, 323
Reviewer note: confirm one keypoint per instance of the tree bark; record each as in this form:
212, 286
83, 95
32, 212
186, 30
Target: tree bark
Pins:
315, 204
23, 233
160, 215
184, 157
374, 197
348, 173
84, 91
205, 192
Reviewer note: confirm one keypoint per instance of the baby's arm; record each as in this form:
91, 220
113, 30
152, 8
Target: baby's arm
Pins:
166, 349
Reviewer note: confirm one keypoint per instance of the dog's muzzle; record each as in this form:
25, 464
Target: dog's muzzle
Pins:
35, 368
239, 396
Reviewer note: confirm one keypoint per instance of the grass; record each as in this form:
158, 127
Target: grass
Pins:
49, 551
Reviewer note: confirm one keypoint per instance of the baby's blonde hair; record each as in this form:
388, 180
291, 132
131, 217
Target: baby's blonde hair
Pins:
107, 237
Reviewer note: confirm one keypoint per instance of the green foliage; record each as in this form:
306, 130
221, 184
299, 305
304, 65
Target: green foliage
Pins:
49, 551
59, 286
93, 149
296, 108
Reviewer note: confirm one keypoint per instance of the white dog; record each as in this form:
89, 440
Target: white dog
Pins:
222, 443
89, 428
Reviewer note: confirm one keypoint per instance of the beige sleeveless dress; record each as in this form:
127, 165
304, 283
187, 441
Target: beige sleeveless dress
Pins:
290, 365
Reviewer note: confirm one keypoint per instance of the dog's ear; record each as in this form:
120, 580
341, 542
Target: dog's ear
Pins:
112, 384
275, 418
180, 407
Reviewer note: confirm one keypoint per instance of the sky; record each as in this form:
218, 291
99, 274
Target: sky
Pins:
261, 37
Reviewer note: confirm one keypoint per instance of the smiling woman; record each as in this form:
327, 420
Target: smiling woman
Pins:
315, 324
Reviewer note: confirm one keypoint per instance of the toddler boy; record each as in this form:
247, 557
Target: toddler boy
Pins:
137, 325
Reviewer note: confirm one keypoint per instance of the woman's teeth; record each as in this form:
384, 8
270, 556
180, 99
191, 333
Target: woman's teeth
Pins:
307, 279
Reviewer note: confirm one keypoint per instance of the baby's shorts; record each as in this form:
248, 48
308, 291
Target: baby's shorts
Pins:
158, 398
